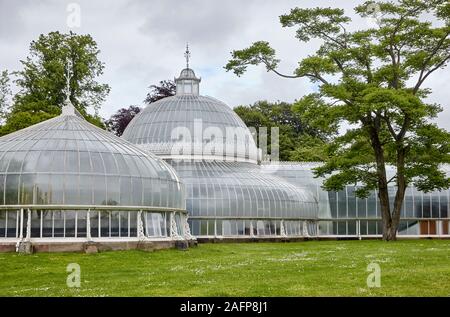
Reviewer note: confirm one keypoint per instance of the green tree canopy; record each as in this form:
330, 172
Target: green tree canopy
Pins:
296, 136
42, 80
373, 80
165, 88
5, 93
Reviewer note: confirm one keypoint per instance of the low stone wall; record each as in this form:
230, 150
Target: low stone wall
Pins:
93, 246
7, 246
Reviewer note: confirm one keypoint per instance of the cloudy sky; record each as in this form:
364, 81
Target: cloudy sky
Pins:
142, 42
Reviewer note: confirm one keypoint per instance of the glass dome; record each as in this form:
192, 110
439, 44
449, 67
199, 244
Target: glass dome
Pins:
190, 125
68, 161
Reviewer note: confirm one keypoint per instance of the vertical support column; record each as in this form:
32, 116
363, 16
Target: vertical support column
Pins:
282, 229
305, 229
28, 236
140, 226
187, 229
358, 228
173, 228
215, 228
21, 224
90, 246
88, 225
24, 245
252, 233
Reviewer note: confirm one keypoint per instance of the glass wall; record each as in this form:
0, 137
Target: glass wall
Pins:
236, 190
9, 223
73, 224
67, 161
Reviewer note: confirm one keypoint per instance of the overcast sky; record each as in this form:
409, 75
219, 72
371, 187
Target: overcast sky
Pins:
143, 42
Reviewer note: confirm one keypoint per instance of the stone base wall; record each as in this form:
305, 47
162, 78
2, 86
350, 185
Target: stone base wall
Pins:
93, 246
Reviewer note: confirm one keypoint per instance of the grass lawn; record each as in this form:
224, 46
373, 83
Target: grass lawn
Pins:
314, 268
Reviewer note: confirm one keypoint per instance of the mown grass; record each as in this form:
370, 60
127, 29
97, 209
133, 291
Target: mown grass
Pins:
314, 268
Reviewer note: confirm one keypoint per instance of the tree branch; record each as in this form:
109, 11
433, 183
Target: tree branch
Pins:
270, 68
422, 79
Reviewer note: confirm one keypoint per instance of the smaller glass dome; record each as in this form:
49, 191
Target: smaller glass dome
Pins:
68, 161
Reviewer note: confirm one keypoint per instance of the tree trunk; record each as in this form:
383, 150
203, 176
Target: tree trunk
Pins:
390, 232
389, 227
400, 194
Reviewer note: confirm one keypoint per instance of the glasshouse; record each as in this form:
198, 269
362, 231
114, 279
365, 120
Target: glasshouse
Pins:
68, 182
187, 168
231, 193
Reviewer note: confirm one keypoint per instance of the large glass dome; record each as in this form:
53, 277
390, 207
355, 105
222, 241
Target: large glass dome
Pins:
68, 161
190, 125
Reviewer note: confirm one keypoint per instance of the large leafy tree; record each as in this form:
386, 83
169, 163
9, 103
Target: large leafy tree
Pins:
374, 80
296, 136
5, 93
120, 120
42, 80
165, 88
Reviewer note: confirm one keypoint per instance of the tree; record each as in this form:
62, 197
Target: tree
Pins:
120, 120
42, 80
372, 79
166, 88
294, 133
5, 93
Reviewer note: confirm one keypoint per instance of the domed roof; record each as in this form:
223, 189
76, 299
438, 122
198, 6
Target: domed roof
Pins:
189, 125
187, 73
68, 161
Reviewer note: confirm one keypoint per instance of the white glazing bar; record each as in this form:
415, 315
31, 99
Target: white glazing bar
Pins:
21, 224
76, 224
28, 225
41, 224
64, 223
120, 224
18, 217
53, 224
88, 225
6, 223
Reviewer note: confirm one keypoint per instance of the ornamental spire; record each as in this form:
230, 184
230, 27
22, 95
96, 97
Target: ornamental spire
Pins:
69, 75
68, 108
187, 55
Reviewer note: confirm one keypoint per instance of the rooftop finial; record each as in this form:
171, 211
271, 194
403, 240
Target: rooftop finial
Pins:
68, 76
68, 108
187, 54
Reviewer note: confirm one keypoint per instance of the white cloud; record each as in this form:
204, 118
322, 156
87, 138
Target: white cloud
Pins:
142, 42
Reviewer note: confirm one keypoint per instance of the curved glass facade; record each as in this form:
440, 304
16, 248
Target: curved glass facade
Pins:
65, 178
67, 161
240, 190
236, 199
